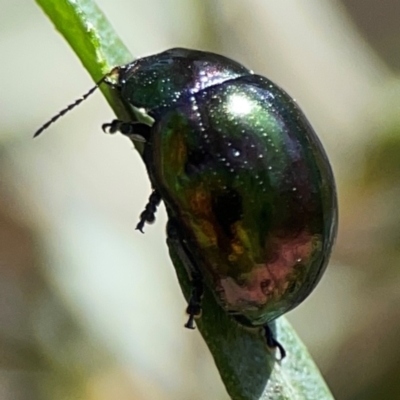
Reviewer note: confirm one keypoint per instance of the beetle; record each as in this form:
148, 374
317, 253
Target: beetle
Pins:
247, 185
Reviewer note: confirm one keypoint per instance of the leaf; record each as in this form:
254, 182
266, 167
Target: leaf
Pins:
248, 368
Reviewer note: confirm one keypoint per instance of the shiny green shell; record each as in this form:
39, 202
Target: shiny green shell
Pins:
244, 175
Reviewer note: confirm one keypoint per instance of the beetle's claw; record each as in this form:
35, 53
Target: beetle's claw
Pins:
105, 127
140, 226
190, 323
112, 127
273, 343
276, 345
194, 311
282, 351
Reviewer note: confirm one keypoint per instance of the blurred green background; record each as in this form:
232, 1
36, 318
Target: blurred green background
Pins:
91, 309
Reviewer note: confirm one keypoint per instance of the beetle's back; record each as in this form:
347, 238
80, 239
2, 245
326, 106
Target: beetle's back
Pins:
161, 80
244, 173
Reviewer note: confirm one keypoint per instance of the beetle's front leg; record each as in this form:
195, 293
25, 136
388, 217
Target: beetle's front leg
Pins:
134, 130
174, 239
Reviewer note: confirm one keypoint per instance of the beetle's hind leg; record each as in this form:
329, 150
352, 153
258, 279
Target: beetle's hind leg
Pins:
176, 243
148, 215
194, 306
272, 342
136, 131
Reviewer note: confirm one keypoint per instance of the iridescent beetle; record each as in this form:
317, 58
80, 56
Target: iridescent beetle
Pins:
248, 188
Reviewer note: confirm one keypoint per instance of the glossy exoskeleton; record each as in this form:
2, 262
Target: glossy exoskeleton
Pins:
248, 188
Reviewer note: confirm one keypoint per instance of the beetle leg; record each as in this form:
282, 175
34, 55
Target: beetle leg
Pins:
148, 215
174, 239
135, 130
272, 342
194, 306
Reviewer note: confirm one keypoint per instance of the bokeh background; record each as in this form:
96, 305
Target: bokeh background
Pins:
91, 309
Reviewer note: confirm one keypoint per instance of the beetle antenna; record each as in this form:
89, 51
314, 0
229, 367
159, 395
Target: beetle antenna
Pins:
75, 103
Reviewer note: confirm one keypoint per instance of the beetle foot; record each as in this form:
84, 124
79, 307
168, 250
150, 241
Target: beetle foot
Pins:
112, 127
194, 311
192, 315
190, 323
148, 215
273, 343
194, 306
137, 131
